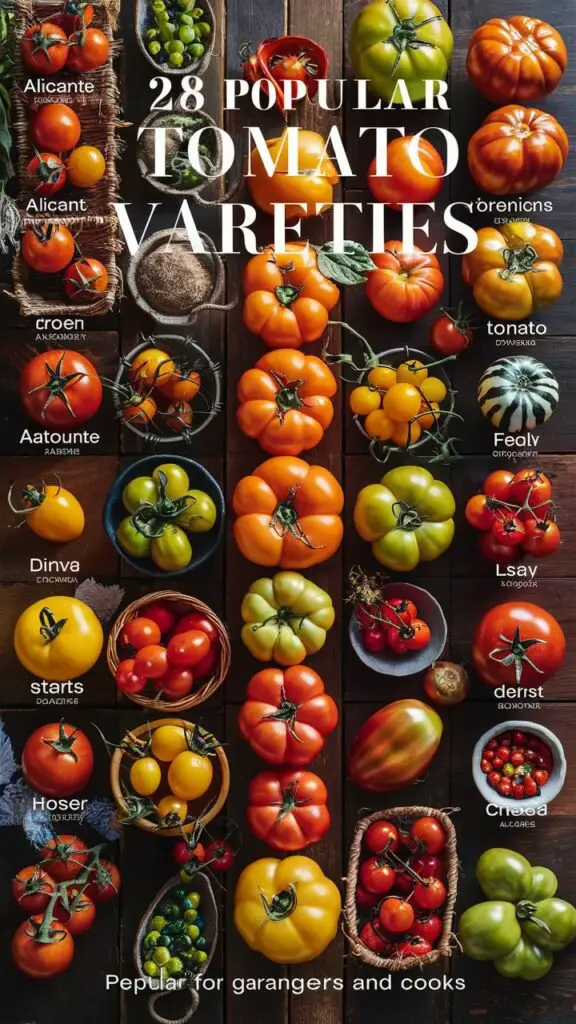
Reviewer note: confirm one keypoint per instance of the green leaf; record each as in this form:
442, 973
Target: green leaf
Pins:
347, 267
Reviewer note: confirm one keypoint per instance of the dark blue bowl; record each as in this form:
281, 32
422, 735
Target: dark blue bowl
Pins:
203, 544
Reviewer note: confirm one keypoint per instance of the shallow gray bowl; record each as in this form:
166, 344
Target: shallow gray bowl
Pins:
557, 776
144, 21
390, 664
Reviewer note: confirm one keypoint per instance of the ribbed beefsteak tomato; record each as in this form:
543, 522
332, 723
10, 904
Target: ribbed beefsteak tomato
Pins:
517, 149
395, 746
287, 809
519, 58
406, 284
518, 643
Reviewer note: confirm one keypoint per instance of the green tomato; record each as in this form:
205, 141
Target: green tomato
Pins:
526, 961
286, 617
193, 931
176, 60
194, 898
544, 884
200, 514
154, 49
203, 29
186, 34
165, 940
157, 923
550, 923
175, 46
196, 50
489, 931
131, 540
162, 16
152, 33
151, 939
504, 875
190, 916
201, 956
150, 968
185, 19
408, 40
177, 482
186, 904
161, 955
139, 491
174, 965
172, 550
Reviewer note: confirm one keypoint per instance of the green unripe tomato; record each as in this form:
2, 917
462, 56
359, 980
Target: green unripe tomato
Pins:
544, 884
526, 961
154, 48
196, 50
175, 46
139, 491
489, 931
190, 916
131, 540
194, 898
161, 955
171, 551
186, 19
176, 60
152, 33
174, 965
201, 956
551, 924
186, 34
193, 931
200, 514
203, 29
158, 923
504, 874
151, 940
150, 968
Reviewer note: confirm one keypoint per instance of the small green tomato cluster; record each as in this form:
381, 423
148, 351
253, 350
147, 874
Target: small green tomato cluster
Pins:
175, 945
179, 33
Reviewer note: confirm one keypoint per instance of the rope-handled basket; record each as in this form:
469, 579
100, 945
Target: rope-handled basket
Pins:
201, 885
444, 947
183, 604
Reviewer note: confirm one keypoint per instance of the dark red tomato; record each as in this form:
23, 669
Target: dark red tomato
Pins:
85, 279
397, 639
127, 679
404, 882
151, 661
74, 15
428, 832
430, 895
400, 607
60, 388
485, 766
79, 914
176, 683
46, 174
498, 484
104, 882
377, 877
44, 48
421, 635
505, 787
495, 551
140, 632
518, 790
518, 643
373, 639
32, 888
377, 943
451, 333
540, 777
219, 855
396, 915
494, 778
518, 738
508, 529
532, 486
208, 665
381, 835
64, 857
195, 620
531, 787
184, 854
414, 947
365, 898
428, 926
88, 50
366, 614
541, 537
186, 649
162, 614
179, 416
517, 758
428, 866
478, 513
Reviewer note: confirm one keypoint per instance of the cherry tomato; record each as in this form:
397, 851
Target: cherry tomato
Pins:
508, 529
428, 926
176, 683
495, 551
183, 853
531, 485
104, 882
140, 632
55, 127
179, 416
478, 513
494, 778
365, 898
376, 876
414, 947
404, 882
195, 620
396, 915
86, 166
373, 639
428, 866
451, 333
540, 776
208, 665
498, 484
421, 635
531, 787
382, 835
429, 833
517, 757
402, 607
219, 855
151, 661
32, 888
161, 613
503, 753
373, 940
518, 790
186, 649
505, 787
366, 614
396, 640
127, 679
541, 537
46, 173
485, 766
430, 895
293, 67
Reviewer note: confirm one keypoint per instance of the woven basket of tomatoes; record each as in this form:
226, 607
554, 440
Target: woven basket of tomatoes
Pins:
170, 643
169, 777
401, 888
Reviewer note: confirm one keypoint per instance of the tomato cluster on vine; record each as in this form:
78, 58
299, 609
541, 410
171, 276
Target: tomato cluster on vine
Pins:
516, 515
392, 625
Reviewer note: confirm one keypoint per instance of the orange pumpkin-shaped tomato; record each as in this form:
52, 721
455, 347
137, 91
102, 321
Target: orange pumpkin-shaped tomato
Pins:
287, 299
288, 514
407, 284
285, 401
517, 149
519, 58
300, 192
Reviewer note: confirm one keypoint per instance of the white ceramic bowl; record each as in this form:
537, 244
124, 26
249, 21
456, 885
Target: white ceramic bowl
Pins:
557, 776
390, 664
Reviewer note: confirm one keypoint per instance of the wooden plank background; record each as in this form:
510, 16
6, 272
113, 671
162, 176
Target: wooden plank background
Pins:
462, 581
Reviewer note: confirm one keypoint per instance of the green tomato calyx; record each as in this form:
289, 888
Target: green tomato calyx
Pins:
407, 517
282, 904
513, 652
285, 520
49, 627
526, 911
405, 34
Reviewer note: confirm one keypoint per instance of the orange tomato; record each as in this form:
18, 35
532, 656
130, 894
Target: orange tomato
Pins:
182, 385
407, 434
519, 58
364, 400
415, 172
382, 377
378, 424
288, 514
300, 192
517, 149
433, 389
285, 401
412, 371
407, 283
402, 402
151, 368
426, 418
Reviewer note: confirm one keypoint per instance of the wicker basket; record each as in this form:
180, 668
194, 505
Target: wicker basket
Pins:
186, 603
203, 810
210, 914
443, 949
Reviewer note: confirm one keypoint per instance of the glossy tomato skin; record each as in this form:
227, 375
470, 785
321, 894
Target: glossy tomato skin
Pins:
197, 621
105, 882
220, 855
42, 959
396, 915
51, 771
44, 48
415, 170
395, 746
532, 486
47, 174
533, 622
429, 832
55, 127
80, 396
32, 888
287, 809
186, 649
48, 249
447, 338
86, 278
541, 538
430, 895
82, 914
65, 857
88, 50
382, 835
498, 484
478, 513
519, 58
492, 548
312, 186
406, 284
516, 150
376, 877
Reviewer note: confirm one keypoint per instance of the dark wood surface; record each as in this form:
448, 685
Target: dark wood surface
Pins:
464, 584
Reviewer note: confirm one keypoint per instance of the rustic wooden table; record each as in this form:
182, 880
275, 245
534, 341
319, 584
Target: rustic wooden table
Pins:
465, 585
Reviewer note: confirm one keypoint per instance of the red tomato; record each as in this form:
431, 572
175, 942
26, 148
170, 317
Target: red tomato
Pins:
451, 333
518, 643
32, 888
176, 683
44, 48
60, 388
541, 777
507, 529
365, 898
428, 866
382, 835
429, 833
399, 606
219, 855
79, 914
184, 854
498, 484
127, 679
85, 279
104, 882
376, 876
373, 639
505, 787
494, 778
57, 759
140, 632
287, 809
195, 620
208, 665
56, 128
532, 486
151, 661
40, 959
48, 248
187, 649
64, 857
421, 635
478, 513
414, 175
46, 173
431, 894
495, 551
542, 537
88, 50
162, 614
373, 940
406, 284
414, 947
396, 915
74, 15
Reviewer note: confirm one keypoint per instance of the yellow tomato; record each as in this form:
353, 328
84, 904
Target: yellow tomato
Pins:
168, 741
427, 419
402, 402
364, 400
58, 638
55, 514
378, 424
412, 371
177, 482
407, 434
85, 166
190, 775
151, 367
434, 389
383, 377
171, 806
145, 776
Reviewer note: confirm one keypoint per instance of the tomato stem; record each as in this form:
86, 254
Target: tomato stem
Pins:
282, 904
514, 653
49, 627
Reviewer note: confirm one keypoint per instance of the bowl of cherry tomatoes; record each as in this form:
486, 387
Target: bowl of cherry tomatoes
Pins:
519, 763
402, 634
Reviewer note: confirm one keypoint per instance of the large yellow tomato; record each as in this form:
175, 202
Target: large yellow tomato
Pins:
58, 638
313, 184
286, 909
168, 741
190, 775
